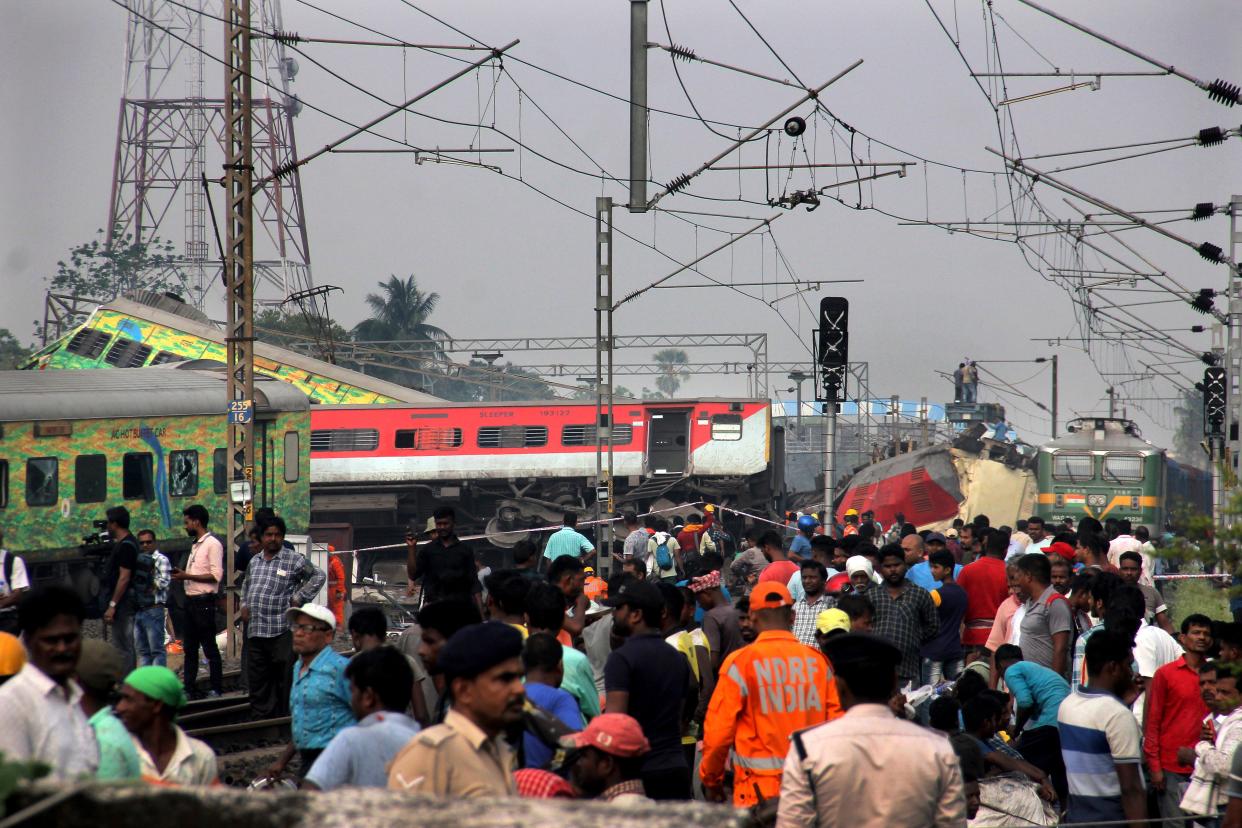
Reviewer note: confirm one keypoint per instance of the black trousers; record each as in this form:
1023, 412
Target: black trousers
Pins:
269, 665
200, 631
1041, 746
668, 784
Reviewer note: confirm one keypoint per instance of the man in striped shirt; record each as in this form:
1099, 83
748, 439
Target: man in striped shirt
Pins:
1100, 738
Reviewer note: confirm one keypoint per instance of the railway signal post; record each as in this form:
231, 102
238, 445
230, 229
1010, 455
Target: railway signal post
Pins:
239, 279
832, 349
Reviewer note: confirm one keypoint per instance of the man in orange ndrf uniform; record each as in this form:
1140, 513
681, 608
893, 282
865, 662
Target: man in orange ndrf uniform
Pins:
765, 692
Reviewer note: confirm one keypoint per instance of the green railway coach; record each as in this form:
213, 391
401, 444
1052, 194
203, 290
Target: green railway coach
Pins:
73, 443
1103, 468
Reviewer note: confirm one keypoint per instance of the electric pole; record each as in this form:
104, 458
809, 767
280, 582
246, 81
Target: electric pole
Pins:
1055, 390
239, 276
604, 503
638, 106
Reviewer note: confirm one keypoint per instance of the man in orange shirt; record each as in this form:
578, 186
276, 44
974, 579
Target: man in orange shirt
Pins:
765, 692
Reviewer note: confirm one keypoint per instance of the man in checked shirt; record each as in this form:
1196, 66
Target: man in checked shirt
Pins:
276, 580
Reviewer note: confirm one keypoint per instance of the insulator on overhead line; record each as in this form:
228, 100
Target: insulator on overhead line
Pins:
1211, 252
1203, 210
1211, 136
683, 52
1203, 302
678, 183
1224, 92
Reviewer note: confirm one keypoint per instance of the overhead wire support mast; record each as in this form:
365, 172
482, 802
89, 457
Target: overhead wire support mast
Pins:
1218, 90
301, 162
239, 279
681, 181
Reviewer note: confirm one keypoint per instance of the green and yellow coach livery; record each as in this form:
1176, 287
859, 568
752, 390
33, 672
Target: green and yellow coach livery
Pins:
149, 329
1103, 468
73, 443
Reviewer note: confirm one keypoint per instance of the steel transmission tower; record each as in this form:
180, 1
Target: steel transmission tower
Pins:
170, 133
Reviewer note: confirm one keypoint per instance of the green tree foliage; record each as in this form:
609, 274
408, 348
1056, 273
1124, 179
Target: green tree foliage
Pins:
400, 312
101, 271
12, 352
671, 362
294, 329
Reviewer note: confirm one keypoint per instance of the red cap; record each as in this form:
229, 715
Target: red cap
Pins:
1061, 548
837, 583
613, 733
770, 595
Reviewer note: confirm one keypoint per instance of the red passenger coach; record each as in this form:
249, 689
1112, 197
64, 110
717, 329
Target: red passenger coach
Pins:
507, 467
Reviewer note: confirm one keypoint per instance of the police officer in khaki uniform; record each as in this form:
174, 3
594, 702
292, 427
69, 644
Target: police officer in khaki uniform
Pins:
466, 756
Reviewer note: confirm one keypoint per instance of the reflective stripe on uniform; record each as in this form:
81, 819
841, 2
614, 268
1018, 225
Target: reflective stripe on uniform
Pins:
736, 674
771, 763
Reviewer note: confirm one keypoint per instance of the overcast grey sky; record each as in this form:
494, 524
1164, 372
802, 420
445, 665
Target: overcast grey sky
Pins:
507, 261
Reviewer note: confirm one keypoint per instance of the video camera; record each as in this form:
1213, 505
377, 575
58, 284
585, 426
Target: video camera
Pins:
98, 541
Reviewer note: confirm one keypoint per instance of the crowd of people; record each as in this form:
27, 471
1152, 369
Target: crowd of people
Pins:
798, 670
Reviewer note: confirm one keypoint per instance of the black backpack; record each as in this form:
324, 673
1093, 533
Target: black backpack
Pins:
143, 581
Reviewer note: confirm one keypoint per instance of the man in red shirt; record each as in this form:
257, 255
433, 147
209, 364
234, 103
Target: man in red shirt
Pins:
986, 586
1174, 718
780, 567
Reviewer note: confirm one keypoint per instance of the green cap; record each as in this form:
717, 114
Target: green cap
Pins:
159, 683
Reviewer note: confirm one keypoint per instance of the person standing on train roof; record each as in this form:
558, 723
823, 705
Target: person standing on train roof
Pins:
445, 564
119, 590
13, 584
568, 541
204, 570
275, 581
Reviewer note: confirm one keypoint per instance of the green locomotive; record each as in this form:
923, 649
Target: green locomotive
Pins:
1103, 468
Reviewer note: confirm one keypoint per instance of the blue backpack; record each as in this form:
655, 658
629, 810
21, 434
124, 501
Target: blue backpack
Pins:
664, 558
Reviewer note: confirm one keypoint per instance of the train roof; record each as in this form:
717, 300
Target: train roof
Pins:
202, 328
557, 403
101, 393
1100, 434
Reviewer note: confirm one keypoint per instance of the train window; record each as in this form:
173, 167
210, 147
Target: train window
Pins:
88, 343
167, 356
220, 471
291, 457
127, 353
4, 483
427, 439
1123, 468
90, 478
1073, 467
345, 439
183, 473
726, 426
513, 436
138, 476
42, 481
586, 435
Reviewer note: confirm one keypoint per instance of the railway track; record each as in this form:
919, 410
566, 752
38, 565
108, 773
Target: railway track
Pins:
239, 736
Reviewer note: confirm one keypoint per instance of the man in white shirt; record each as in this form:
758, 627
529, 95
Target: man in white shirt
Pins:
40, 718
1126, 542
13, 582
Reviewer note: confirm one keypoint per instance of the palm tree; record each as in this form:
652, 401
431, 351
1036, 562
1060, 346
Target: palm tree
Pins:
672, 362
401, 312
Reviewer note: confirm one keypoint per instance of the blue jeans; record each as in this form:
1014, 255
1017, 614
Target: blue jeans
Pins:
149, 635
935, 671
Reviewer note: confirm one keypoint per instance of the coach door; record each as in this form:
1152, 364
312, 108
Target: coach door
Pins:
668, 441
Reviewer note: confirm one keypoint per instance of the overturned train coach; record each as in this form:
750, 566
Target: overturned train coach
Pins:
510, 467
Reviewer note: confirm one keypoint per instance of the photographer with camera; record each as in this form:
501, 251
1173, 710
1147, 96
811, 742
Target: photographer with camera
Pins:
118, 585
